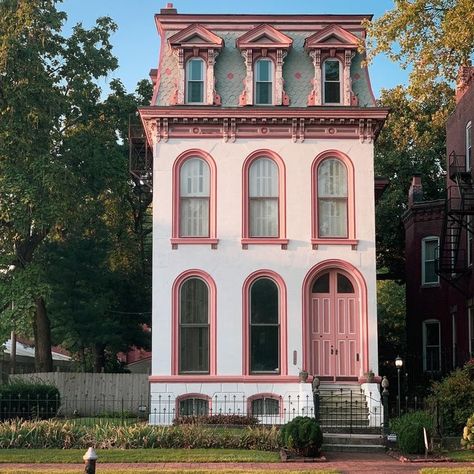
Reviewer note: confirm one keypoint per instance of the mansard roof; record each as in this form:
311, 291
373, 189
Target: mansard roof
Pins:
333, 36
196, 36
264, 36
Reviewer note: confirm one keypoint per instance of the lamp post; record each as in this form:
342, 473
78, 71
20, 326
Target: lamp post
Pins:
399, 365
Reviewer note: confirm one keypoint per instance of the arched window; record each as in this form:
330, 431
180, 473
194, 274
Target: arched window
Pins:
194, 193
264, 404
192, 404
195, 81
332, 82
264, 327
429, 252
194, 199
194, 327
431, 345
263, 198
332, 199
263, 81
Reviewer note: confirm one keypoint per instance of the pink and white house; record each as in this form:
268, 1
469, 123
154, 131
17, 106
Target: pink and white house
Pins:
262, 129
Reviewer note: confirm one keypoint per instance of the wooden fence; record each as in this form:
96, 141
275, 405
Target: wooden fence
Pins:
96, 394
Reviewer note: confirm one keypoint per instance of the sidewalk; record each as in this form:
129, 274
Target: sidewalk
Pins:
352, 463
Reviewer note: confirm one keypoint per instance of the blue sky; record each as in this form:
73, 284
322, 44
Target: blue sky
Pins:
136, 42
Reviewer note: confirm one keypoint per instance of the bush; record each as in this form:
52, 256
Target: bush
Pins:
28, 400
467, 440
302, 435
409, 430
226, 420
453, 397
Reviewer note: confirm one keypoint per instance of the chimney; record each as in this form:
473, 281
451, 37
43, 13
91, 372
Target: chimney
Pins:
415, 193
464, 80
168, 10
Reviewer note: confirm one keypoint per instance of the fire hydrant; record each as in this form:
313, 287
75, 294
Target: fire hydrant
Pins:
90, 459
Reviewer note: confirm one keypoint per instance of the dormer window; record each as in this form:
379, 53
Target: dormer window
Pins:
264, 82
332, 81
195, 81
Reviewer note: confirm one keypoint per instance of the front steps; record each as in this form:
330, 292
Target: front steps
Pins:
353, 443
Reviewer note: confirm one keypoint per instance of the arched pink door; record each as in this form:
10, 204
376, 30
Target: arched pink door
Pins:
334, 327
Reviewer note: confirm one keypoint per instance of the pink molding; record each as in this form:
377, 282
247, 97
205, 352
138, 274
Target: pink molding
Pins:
176, 239
332, 37
223, 379
209, 39
246, 321
212, 301
258, 396
246, 238
351, 224
274, 38
361, 286
335, 241
187, 396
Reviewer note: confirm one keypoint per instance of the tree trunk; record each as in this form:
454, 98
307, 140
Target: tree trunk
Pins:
99, 357
42, 332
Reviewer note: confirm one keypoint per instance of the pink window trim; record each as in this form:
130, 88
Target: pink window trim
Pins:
246, 238
223, 379
351, 226
259, 396
175, 237
212, 301
187, 396
361, 291
246, 322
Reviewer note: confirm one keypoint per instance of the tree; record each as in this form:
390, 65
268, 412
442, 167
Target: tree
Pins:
51, 156
413, 140
433, 37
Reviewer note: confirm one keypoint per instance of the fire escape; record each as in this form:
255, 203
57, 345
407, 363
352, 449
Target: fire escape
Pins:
453, 262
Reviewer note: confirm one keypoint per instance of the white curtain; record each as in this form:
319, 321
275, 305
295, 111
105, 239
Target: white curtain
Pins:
194, 198
263, 194
332, 198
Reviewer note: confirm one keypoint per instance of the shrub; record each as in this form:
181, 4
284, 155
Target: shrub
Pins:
467, 440
235, 420
409, 430
28, 400
453, 397
302, 435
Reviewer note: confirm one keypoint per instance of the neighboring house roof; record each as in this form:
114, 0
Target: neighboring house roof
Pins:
24, 350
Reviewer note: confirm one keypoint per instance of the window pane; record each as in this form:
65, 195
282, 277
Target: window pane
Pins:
263, 93
430, 249
321, 285
263, 177
264, 348
264, 70
193, 406
332, 93
331, 70
194, 349
195, 92
432, 334
430, 272
265, 406
332, 217
432, 359
343, 284
263, 217
194, 217
194, 302
195, 69
332, 179
264, 302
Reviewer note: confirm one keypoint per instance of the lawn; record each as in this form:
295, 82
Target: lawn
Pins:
136, 455
173, 471
464, 455
443, 470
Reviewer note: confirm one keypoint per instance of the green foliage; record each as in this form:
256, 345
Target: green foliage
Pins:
65, 435
220, 419
467, 440
433, 37
453, 397
28, 400
302, 435
412, 141
409, 430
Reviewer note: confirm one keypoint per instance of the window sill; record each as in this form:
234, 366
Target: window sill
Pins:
246, 241
335, 241
430, 285
176, 241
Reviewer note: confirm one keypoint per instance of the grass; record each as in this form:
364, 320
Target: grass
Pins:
464, 455
442, 470
174, 471
136, 455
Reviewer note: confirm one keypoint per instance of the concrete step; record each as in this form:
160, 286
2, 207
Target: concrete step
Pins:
360, 443
353, 448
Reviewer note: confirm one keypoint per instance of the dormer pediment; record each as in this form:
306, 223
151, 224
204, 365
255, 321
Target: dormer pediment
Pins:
333, 36
196, 36
264, 36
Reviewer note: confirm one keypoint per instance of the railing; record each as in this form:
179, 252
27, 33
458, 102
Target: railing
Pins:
456, 165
